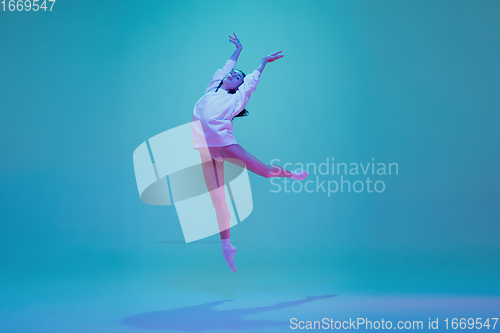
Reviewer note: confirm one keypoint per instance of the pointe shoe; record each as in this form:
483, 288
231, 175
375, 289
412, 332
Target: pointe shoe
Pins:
299, 175
229, 257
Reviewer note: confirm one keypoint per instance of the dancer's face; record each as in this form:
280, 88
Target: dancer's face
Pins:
232, 80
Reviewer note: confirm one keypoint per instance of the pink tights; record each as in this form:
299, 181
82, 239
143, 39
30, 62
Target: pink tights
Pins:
213, 172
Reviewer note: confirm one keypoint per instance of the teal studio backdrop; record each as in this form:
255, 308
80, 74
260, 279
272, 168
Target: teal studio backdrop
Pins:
407, 82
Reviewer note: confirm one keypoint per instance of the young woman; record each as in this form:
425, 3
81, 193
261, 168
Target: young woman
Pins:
212, 124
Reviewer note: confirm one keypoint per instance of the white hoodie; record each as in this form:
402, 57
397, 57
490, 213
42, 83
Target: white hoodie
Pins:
216, 110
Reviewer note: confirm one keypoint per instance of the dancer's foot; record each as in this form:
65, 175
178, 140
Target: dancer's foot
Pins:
299, 175
228, 253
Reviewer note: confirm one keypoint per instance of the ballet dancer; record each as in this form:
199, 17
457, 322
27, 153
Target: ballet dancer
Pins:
225, 98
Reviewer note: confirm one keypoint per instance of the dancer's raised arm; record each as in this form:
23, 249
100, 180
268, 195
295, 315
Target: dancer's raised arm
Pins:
237, 43
228, 66
250, 83
269, 58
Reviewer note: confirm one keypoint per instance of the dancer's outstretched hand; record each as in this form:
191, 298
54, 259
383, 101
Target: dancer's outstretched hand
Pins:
273, 57
235, 40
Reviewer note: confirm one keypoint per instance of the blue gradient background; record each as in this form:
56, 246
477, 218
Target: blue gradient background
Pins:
408, 82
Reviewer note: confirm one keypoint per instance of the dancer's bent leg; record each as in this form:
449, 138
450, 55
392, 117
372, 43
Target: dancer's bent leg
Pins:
237, 155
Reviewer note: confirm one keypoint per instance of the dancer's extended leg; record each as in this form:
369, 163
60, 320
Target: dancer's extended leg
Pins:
237, 155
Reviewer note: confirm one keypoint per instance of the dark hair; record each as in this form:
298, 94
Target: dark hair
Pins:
243, 112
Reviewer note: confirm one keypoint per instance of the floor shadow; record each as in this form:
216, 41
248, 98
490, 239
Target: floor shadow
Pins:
203, 317
183, 242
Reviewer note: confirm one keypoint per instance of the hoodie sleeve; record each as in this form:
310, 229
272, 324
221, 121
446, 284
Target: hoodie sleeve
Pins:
245, 90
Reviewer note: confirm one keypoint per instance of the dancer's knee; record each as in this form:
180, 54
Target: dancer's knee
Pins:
218, 200
269, 172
